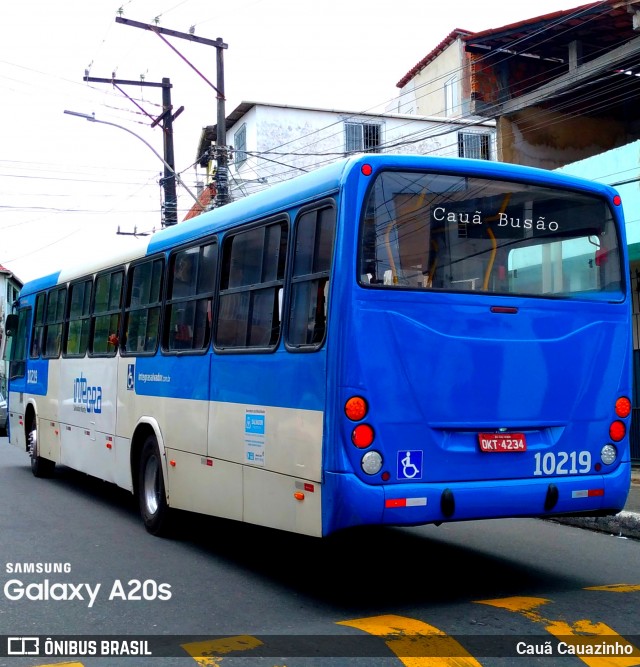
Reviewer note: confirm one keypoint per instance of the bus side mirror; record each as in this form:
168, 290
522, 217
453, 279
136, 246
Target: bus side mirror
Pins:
11, 325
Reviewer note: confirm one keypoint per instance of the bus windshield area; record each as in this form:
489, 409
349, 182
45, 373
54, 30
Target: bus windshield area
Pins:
463, 233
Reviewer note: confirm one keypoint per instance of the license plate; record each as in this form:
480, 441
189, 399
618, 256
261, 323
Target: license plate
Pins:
502, 442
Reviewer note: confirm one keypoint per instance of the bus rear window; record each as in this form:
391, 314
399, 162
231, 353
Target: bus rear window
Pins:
459, 233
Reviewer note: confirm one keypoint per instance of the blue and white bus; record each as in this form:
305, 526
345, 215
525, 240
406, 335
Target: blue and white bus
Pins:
396, 340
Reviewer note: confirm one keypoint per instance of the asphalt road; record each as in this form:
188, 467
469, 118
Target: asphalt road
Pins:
241, 586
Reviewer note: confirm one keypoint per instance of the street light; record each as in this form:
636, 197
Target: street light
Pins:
93, 119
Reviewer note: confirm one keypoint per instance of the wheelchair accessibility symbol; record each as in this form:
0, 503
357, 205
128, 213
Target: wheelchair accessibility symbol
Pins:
410, 464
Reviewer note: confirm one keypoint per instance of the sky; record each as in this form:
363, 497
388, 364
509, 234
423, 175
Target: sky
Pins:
67, 185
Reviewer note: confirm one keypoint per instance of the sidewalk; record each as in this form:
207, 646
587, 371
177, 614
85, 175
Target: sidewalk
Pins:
623, 524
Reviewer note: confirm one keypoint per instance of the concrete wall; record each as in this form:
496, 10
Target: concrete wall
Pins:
424, 95
540, 138
286, 141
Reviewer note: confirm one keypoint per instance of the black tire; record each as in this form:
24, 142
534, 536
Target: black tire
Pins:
156, 514
40, 467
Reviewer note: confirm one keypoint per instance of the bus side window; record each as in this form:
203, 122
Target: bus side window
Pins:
77, 336
18, 352
142, 311
38, 327
106, 314
192, 275
54, 322
252, 275
315, 231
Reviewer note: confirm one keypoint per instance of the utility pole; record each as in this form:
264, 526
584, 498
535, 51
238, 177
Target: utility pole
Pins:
168, 181
221, 150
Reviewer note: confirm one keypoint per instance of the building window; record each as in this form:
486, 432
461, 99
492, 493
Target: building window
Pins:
240, 145
362, 137
474, 145
451, 97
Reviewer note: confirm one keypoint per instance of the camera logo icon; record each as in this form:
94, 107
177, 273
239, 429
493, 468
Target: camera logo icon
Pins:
23, 646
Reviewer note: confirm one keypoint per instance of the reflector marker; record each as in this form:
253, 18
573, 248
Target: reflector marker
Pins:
405, 502
305, 486
587, 493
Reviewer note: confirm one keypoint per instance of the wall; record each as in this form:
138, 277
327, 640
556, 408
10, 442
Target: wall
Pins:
286, 141
424, 94
537, 137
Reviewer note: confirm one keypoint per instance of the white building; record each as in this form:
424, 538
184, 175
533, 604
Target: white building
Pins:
272, 143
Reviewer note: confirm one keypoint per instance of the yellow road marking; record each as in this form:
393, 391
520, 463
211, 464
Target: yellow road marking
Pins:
415, 640
207, 653
63, 664
579, 635
616, 588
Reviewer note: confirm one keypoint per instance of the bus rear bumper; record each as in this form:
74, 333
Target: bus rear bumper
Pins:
413, 504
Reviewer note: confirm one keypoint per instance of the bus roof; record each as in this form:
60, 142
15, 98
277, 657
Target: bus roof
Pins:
309, 186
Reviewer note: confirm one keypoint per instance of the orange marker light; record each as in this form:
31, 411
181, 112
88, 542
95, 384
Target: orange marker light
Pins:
623, 407
298, 495
356, 408
172, 463
362, 436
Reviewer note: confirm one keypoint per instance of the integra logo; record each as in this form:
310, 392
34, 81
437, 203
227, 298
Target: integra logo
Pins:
86, 398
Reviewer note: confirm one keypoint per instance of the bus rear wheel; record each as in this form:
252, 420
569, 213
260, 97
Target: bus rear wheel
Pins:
155, 511
39, 467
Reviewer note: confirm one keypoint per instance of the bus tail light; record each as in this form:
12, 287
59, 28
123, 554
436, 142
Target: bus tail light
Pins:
608, 454
356, 408
371, 462
623, 407
617, 431
362, 436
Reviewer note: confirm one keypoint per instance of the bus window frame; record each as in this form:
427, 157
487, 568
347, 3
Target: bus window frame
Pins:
121, 268
317, 207
575, 296
127, 309
37, 326
284, 219
26, 338
55, 322
168, 300
65, 341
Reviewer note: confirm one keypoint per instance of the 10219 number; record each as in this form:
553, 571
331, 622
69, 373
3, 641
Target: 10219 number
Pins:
562, 463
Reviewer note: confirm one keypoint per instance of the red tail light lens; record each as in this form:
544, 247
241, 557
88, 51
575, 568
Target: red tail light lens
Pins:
617, 431
362, 436
356, 408
623, 407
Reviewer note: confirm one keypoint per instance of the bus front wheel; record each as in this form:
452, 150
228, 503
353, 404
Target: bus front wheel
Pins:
154, 509
39, 467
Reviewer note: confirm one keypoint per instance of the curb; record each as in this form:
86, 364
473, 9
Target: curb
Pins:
623, 524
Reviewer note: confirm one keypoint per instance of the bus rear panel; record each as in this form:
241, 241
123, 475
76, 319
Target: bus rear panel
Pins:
488, 351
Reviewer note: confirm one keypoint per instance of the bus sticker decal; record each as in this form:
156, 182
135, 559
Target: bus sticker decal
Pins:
131, 369
86, 398
410, 464
254, 437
